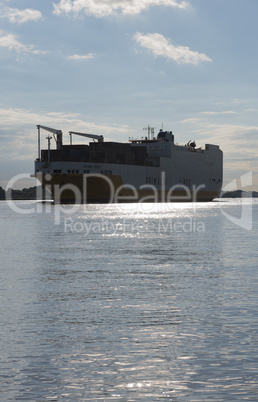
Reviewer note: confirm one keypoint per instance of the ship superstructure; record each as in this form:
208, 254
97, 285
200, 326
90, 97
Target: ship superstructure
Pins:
152, 169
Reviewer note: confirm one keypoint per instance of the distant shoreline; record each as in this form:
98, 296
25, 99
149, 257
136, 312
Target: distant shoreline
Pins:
32, 193
239, 194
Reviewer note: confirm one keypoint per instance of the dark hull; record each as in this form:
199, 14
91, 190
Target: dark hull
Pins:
74, 188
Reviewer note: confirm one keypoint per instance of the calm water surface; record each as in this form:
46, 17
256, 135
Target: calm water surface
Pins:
129, 303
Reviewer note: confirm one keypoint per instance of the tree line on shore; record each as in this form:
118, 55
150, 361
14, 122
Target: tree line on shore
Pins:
33, 193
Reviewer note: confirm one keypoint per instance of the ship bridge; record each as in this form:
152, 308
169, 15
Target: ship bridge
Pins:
166, 136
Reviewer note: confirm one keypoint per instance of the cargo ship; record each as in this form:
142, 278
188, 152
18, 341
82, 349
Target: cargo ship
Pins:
150, 169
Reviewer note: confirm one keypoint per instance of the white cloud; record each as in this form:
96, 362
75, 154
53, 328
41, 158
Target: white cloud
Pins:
210, 113
239, 144
102, 8
190, 120
82, 56
23, 123
251, 110
160, 46
236, 141
20, 16
10, 42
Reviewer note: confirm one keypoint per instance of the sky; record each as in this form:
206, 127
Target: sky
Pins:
113, 67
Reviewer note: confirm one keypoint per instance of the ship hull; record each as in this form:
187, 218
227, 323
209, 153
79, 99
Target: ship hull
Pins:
76, 188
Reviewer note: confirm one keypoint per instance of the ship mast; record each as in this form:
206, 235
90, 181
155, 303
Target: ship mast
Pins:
150, 132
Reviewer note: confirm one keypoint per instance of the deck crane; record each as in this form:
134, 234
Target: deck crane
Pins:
100, 138
58, 136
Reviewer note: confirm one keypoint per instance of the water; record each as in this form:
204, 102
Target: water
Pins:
129, 303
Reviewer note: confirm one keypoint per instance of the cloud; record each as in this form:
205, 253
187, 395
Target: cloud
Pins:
102, 8
10, 42
21, 16
82, 56
239, 144
18, 131
18, 136
210, 113
251, 110
236, 141
160, 46
190, 120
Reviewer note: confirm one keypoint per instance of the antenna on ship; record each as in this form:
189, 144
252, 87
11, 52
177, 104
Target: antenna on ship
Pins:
150, 132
